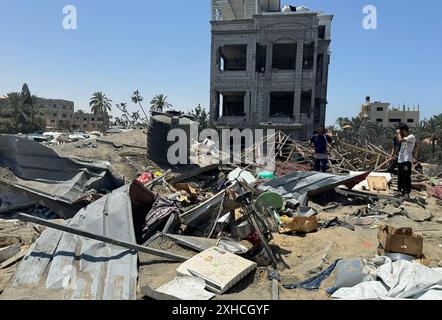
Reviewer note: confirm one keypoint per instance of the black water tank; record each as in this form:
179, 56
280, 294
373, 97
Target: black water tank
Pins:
159, 126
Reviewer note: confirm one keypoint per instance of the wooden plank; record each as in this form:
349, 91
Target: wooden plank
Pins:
13, 260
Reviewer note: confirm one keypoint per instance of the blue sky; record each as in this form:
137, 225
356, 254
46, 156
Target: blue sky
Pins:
164, 47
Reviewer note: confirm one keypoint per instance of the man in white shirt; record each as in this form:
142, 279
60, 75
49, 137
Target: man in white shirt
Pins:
405, 159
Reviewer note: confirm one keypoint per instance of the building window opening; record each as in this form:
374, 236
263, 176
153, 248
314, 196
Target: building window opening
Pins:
306, 103
261, 52
232, 104
281, 104
379, 120
380, 109
410, 120
309, 52
395, 120
317, 116
321, 32
233, 58
319, 68
284, 56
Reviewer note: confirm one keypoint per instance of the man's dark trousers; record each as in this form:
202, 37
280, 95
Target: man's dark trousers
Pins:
321, 165
404, 177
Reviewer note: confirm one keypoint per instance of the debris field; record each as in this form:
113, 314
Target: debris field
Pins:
97, 220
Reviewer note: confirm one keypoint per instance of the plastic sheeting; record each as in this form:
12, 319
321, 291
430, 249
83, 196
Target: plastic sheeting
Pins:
315, 282
45, 177
399, 280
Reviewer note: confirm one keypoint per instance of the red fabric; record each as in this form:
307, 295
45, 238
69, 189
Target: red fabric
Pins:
145, 178
435, 192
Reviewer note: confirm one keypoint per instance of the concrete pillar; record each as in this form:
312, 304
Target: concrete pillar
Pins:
298, 81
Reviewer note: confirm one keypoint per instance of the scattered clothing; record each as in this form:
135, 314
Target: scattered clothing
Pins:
435, 192
161, 210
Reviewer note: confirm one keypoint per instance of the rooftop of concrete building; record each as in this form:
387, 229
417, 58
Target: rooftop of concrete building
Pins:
59, 100
228, 10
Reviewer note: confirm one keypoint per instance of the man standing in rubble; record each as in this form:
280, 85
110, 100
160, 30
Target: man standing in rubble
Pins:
320, 142
405, 159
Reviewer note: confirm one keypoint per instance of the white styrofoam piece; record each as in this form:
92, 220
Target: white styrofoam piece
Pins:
187, 288
219, 268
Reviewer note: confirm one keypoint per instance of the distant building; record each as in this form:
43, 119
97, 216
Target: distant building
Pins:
60, 114
269, 66
87, 122
383, 113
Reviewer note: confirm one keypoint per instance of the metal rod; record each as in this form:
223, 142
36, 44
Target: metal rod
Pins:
131, 246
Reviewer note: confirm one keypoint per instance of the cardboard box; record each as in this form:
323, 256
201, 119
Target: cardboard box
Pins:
377, 183
299, 224
400, 241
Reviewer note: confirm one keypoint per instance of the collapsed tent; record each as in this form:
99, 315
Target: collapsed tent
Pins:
53, 181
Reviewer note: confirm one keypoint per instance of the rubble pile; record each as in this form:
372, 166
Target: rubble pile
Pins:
218, 232
344, 157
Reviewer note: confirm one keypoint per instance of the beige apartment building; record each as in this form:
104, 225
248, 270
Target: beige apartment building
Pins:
60, 115
383, 113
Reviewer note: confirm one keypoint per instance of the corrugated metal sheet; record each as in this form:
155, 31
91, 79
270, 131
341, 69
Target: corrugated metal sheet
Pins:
65, 266
51, 180
300, 185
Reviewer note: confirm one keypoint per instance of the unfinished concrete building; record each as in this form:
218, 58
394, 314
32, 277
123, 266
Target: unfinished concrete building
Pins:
388, 116
269, 66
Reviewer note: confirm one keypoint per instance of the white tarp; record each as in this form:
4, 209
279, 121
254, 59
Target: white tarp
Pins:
399, 280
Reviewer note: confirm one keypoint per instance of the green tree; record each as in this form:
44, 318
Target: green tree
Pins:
202, 116
101, 106
26, 95
137, 99
341, 122
16, 109
159, 103
432, 129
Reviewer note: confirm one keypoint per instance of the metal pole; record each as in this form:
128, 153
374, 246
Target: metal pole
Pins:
131, 246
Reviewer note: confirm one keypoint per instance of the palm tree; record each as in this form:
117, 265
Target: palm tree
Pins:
137, 99
15, 106
433, 131
159, 103
33, 108
100, 106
